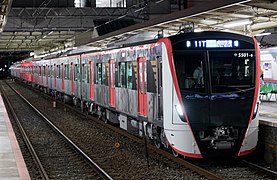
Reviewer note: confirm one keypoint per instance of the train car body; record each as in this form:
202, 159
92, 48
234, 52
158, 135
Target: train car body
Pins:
152, 90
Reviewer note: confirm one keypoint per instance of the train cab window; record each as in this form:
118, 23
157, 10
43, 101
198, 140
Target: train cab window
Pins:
77, 72
122, 75
231, 71
189, 68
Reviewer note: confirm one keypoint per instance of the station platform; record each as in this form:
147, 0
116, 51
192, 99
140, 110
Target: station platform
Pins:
267, 143
12, 165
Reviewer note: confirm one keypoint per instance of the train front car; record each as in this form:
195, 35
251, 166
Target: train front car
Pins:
216, 81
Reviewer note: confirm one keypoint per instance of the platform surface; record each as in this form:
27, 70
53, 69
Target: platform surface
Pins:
12, 165
268, 112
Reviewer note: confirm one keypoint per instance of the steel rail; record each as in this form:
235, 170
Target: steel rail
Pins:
97, 168
25, 137
183, 162
268, 172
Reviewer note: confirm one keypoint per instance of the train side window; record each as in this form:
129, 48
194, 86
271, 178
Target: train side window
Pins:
65, 71
105, 73
116, 75
88, 71
44, 71
85, 73
122, 75
129, 75
62, 71
77, 72
71, 70
152, 76
145, 76
40, 70
58, 71
49, 71
140, 77
68, 71
98, 78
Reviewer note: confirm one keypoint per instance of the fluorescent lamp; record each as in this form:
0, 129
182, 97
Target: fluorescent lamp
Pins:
263, 34
237, 23
198, 30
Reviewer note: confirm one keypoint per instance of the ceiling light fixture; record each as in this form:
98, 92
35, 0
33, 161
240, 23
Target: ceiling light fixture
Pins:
237, 23
263, 34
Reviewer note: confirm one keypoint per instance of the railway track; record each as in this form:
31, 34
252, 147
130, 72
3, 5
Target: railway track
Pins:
57, 157
210, 170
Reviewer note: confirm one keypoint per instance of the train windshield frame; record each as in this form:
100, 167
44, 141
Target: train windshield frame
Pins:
215, 71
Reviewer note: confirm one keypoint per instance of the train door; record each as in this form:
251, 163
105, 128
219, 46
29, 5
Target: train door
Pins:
91, 79
62, 77
72, 77
111, 83
142, 87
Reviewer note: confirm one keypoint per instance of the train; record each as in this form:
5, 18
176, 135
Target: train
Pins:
195, 94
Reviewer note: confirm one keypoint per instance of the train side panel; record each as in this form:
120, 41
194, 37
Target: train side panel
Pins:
177, 132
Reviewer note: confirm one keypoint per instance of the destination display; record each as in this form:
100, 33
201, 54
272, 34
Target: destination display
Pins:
212, 44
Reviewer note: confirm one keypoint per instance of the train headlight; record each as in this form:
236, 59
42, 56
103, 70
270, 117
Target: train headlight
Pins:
180, 112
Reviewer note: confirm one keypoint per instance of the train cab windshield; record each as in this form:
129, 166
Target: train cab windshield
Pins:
215, 71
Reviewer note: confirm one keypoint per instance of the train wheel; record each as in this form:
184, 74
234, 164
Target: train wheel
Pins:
164, 140
175, 154
158, 143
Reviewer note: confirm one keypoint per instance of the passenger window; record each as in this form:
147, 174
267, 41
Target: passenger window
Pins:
85, 73
49, 71
122, 75
99, 73
140, 77
77, 72
44, 71
129, 75
71, 72
68, 72
145, 76
40, 70
152, 76
105, 73
65, 71
58, 71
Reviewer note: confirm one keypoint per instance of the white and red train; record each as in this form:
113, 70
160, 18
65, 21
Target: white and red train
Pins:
152, 90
